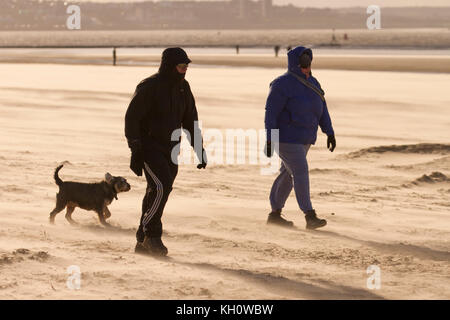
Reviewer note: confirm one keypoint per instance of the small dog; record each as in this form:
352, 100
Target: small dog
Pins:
88, 196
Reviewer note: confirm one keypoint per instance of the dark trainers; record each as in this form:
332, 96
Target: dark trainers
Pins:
276, 218
154, 246
312, 222
140, 248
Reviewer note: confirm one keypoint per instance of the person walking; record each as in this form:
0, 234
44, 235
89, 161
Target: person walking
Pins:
296, 107
161, 104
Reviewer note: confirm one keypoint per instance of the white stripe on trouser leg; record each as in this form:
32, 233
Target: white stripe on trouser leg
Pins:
159, 189
159, 194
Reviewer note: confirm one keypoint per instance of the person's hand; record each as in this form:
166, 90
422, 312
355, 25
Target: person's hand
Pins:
137, 158
268, 149
204, 161
137, 163
331, 142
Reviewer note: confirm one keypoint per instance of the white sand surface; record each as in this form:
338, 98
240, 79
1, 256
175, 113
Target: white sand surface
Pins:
381, 209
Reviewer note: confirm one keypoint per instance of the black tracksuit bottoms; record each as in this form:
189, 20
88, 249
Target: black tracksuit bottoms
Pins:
160, 173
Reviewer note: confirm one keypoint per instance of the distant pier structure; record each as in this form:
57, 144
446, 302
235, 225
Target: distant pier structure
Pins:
259, 8
242, 8
266, 8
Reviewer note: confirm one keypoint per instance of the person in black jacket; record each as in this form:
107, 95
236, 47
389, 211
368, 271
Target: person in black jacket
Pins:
162, 104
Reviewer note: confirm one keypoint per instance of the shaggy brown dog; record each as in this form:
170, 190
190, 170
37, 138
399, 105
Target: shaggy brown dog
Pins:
88, 196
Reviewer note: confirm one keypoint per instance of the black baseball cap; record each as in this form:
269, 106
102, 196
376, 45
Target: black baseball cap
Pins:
174, 56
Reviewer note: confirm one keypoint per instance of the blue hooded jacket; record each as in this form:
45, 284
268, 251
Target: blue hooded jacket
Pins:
295, 109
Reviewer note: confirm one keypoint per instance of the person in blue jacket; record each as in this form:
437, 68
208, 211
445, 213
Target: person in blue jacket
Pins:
296, 107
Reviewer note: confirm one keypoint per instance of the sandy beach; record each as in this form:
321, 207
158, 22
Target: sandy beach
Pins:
385, 191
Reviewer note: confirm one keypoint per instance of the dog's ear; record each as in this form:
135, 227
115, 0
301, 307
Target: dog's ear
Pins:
108, 178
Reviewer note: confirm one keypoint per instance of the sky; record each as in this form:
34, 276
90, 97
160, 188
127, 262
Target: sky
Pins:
333, 3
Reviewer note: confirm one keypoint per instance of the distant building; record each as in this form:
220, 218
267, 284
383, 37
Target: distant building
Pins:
242, 7
266, 8
204, 15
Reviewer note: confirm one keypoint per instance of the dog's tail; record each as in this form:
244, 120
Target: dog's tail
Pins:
58, 181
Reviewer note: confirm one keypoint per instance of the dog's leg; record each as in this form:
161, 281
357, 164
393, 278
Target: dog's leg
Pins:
60, 205
101, 217
107, 212
69, 212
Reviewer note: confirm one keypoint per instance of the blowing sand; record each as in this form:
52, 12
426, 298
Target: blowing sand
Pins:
385, 191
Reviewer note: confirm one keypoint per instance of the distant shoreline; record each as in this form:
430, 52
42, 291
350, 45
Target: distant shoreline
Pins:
438, 38
435, 64
230, 41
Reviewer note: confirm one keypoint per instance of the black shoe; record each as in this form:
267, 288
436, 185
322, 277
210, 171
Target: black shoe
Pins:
140, 248
153, 246
312, 222
276, 218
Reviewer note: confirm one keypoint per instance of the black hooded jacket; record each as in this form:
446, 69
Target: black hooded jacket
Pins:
161, 104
